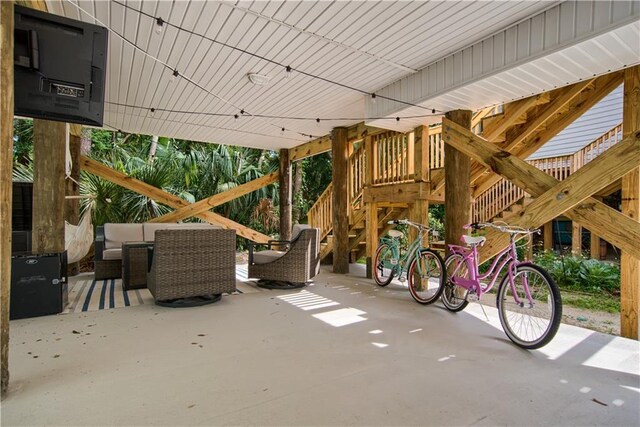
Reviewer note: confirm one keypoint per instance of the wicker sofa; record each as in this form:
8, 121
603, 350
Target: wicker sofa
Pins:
111, 236
190, 264
292, 268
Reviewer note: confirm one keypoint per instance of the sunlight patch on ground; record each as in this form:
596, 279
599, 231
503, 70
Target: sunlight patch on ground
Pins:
306, 300
341, 317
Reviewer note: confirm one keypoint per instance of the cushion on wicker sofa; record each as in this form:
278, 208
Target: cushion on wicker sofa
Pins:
112, 254
150, 228
115, 234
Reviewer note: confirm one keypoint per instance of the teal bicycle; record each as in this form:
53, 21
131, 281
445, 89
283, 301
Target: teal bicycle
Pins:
423, 267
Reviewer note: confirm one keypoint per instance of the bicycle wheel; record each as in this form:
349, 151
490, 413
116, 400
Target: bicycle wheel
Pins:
426, 277
454, 297
528, 325
382, 267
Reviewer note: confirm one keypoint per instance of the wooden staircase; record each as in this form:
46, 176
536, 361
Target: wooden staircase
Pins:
520, 127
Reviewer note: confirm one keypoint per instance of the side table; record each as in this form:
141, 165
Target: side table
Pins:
135, 264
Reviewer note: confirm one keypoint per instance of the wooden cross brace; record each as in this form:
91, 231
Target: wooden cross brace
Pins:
165, 198
570, 197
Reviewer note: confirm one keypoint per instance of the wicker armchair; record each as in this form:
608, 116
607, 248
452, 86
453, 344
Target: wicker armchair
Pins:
287, 269
192, 267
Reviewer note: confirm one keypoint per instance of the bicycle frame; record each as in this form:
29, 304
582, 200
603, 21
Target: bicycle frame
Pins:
507, 257
403, 260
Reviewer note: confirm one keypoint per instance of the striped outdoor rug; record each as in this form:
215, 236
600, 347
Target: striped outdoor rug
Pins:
91, 295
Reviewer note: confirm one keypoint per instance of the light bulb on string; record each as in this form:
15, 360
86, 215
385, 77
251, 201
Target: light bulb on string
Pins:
174, 76
433, 111
398, 121
153, 110
235, 116
159, 25
373, 98
318, 122
242, 112
282, 131
289, 70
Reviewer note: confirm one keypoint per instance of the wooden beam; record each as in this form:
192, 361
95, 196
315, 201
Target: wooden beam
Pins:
371, 227
340, 203
48, 186
594, 244
591, 213
547, 236
513, 111
457, 169
311, 148
630, 262
6, 186
284, 191
578, 187
576, 239
421, 154
556, 116
217, 199
165, 198
407, 192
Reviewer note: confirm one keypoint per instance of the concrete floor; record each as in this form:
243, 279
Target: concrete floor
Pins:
340, 352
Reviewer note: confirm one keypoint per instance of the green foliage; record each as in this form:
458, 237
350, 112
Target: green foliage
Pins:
581, 274
316, 177
22, 141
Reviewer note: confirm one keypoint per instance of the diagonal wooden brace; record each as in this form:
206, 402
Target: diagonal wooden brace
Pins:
165, 198
217, 199
612, 225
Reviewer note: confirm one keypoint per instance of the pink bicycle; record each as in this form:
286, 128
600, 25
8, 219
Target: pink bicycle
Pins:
528, 299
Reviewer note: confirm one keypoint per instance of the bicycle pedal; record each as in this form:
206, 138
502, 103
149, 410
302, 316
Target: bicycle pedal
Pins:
473, 298
402, 279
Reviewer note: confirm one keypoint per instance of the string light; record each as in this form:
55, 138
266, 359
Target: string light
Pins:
288, 68
318, 122
268, 116
235, 116
373, 98
153, 110
175, 75
159, 25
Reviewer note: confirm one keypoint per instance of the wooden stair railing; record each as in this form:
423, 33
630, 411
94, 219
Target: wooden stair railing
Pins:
504, 194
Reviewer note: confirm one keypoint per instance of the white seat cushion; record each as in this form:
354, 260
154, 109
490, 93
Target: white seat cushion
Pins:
112, 254
115, 234
470, 240
150, 229
297, 229
264, 257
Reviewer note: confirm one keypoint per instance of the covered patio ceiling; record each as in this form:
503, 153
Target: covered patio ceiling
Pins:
339, 52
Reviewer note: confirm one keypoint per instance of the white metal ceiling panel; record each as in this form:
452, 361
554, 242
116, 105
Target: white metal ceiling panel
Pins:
364, 45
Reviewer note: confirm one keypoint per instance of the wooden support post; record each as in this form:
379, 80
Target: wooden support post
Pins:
457, 168
576, 239
285, 195
595, 245
6, 189
630, 265
548, 236
371, 209
421, 154
72, 206
48, 186
340, 161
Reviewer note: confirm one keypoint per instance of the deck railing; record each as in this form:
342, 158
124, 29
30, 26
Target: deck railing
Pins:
503, 194
393, 153
320, 215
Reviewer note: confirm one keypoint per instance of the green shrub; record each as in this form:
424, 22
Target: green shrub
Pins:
581, 274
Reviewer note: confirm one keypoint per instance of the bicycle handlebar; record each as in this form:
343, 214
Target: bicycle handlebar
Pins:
511, 229
411, 224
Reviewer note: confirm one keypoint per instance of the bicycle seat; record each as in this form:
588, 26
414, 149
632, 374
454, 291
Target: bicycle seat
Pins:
472, 241
395, 234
